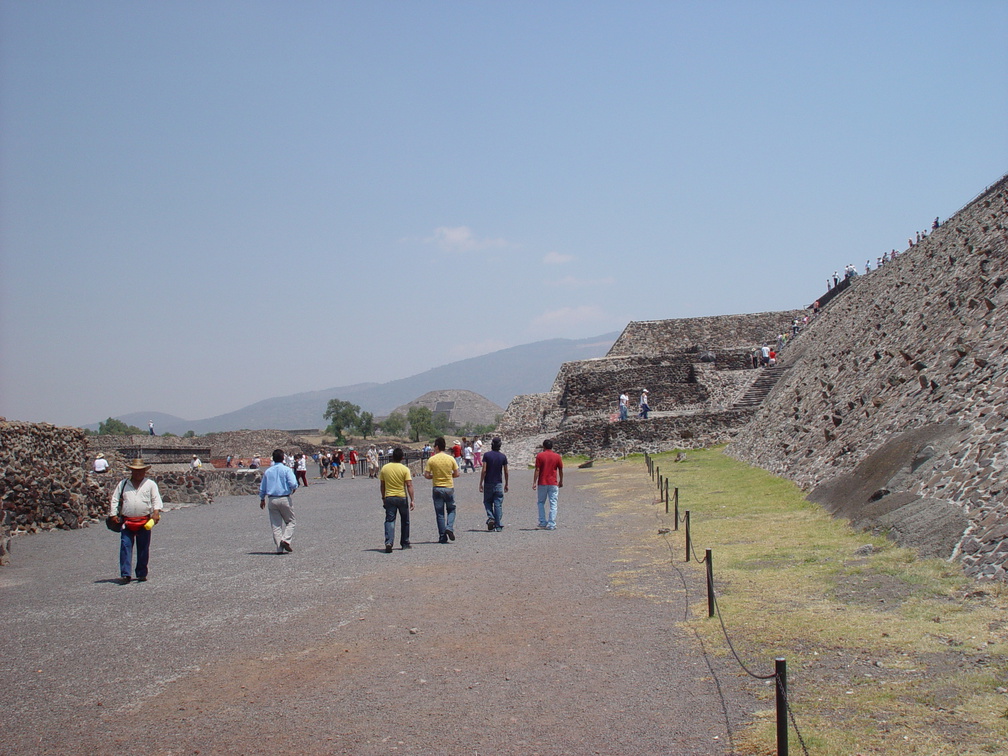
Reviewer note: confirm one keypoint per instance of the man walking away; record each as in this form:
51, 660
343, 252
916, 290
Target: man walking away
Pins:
644, 406
441, 468
278, 484
396, 483
548, 477
494, 484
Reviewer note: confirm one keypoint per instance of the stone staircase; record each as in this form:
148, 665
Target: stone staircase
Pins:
761, 387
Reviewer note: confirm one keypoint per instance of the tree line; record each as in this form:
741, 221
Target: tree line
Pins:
421, 422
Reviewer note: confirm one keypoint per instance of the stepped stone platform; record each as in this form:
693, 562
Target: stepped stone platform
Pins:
698, 372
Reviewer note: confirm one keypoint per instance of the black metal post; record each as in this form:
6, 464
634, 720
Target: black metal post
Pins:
658, 475
676, 498
780, 668
710, 584
666, 495
688, 543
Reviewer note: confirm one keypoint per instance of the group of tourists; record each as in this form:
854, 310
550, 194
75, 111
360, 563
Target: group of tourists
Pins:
333, 463
441, 468
136, 503
643, 405
850, 271
468, 454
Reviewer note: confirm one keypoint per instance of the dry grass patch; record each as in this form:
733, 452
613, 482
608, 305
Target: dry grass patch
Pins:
887, 652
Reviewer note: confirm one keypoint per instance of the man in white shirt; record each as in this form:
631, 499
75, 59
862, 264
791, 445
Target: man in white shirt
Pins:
624, 405
100, 464
136, 506
196, 464
644, 406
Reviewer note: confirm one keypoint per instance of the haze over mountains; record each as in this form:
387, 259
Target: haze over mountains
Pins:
499, 376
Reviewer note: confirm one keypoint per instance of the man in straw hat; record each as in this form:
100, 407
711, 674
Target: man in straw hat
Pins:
136, 506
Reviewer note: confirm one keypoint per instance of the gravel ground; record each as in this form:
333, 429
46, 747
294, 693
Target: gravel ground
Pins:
512, 642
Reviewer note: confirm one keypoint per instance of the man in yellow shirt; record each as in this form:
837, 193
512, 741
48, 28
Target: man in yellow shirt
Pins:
441, 469
396, 483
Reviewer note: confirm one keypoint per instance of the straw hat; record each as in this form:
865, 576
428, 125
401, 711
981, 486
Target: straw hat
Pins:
138, 464
100, 456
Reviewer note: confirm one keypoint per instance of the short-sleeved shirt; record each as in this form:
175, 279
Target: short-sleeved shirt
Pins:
131, 501
441, 466
494, 463
548, 462
395, 475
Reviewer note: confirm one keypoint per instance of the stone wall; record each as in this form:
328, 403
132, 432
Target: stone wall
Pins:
657, 434
670, 382
919, 343
241, 445
44, 483
531, 414
183, 486
48, 480
655, 338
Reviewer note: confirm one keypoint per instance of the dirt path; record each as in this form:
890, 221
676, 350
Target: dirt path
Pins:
524, 641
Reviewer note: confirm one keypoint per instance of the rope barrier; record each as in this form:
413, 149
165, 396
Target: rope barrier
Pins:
777, 676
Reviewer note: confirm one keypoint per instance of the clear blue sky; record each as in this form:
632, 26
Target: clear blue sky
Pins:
205, 204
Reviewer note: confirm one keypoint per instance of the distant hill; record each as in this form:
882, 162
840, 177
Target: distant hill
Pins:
499, 376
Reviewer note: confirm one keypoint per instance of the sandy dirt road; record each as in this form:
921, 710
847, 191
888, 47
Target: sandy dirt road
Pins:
523, 641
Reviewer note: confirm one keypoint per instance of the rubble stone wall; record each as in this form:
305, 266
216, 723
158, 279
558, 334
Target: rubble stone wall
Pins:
240, 444
658, 337
670, 383
602, 437
45, 484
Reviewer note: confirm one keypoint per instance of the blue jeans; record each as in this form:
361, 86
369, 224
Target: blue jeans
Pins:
542, 493
126, 539
622, 412
396, 505
493, 501
444, 503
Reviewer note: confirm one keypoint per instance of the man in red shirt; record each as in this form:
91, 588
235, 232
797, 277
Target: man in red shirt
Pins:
548, 478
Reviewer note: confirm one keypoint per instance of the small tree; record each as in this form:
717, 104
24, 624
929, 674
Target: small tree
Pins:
189, 434
442, 425
341, 415
421, 422
365, 424
394, 424
113, 427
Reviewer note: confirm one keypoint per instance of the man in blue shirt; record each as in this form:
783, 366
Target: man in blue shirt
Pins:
278, 483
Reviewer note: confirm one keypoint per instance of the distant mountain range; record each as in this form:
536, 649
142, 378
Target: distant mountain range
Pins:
499, 376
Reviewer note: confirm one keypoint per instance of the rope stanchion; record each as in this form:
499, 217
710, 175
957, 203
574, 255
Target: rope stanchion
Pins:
689, 543
780, 670
710, 583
